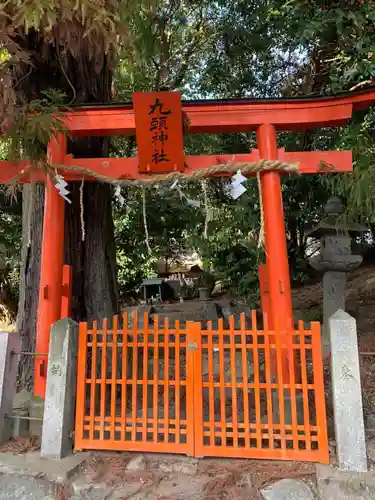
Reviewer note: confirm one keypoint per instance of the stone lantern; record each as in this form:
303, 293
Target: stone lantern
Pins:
335, 260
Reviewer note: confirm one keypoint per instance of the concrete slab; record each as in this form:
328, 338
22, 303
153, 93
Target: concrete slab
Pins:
32, 465
25, 489
287, 489
344, 485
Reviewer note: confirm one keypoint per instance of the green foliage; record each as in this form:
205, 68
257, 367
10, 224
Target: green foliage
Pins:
338, 39
343, 32
356, 188
168, 41
10, 244
207, 49
231, 246
10, 248
32, 129
169, 222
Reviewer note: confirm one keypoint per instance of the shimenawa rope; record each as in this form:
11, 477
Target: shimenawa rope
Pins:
203, 173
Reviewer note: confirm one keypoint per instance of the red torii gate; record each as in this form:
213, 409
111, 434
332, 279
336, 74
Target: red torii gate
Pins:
264, 116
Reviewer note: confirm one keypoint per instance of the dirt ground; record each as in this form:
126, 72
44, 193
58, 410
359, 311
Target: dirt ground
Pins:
133, 476
168, 477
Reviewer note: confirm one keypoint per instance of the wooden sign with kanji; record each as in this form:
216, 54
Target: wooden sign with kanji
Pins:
158, 122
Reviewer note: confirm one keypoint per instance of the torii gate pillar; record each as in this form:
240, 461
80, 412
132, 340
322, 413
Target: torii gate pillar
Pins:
277, 269
51, 266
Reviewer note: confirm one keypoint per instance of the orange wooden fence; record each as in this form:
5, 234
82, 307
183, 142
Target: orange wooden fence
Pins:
201, 392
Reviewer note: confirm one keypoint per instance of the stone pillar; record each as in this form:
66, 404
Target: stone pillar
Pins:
347, 396
334, 292
10, 346
335, 260
59, 406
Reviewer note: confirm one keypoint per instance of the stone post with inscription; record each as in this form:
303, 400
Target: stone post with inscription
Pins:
59, 406
346, 393
335, 260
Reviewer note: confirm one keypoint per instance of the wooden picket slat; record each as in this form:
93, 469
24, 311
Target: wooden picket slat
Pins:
258, 417
114, 375
245, 379
81, 386
269, 356
156, 380
103, 393
267, 427
233, 376
93, 386
306, 416
145, 377
120, 419
211, 388
177, 392
202, 397
166, 380
124, 373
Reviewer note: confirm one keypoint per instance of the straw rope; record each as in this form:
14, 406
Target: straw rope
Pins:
197, 175
203, 173
261, 230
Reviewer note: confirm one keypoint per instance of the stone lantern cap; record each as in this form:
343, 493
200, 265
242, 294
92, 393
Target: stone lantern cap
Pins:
332, 224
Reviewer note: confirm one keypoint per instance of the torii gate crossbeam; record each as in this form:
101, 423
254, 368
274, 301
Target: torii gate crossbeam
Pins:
265, 116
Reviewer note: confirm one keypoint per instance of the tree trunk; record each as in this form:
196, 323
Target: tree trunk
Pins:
32, 224
89, 241
95, 294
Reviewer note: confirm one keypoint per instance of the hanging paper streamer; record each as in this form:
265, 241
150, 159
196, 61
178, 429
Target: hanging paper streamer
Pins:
119, 196
236, 188
176, 186
61, 187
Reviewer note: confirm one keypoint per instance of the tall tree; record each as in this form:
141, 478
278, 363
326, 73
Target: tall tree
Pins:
69, 46
336, 39
73, 47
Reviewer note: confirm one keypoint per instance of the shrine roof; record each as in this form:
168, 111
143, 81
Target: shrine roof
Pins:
358, 96
228, 115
